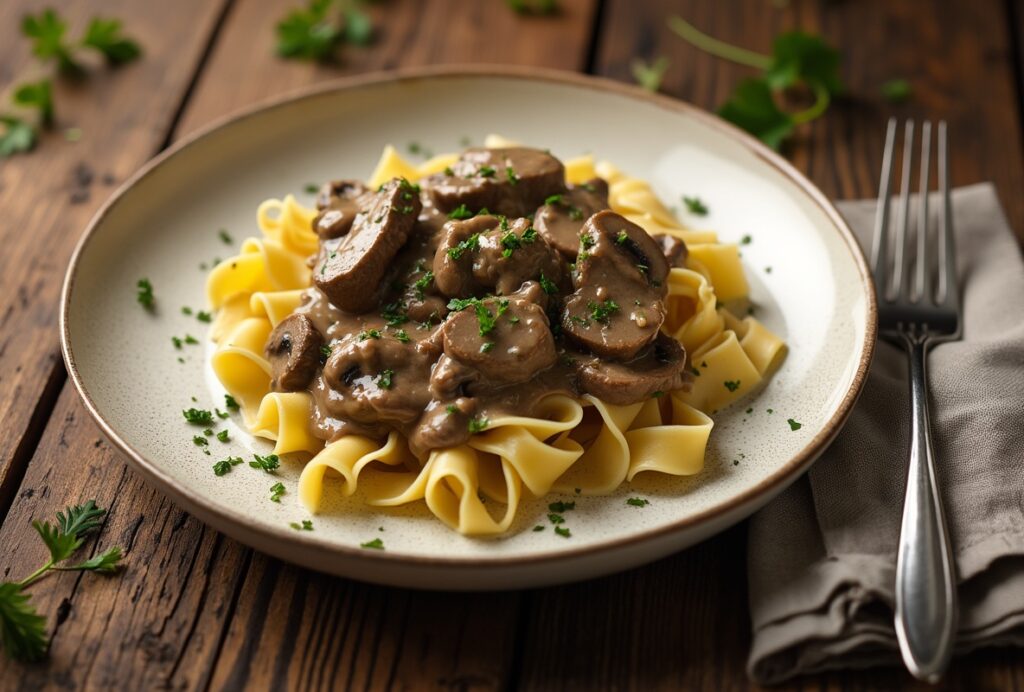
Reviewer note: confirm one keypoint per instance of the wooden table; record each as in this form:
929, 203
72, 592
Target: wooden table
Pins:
195, 609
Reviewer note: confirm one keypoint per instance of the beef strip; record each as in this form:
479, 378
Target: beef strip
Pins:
350, 273
293, 349
661, 367
512, 181
339, 202
561, 218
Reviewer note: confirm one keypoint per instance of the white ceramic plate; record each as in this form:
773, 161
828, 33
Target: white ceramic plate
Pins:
163, 223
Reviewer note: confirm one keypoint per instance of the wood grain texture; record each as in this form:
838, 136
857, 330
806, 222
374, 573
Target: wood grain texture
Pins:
957, 56
49, 195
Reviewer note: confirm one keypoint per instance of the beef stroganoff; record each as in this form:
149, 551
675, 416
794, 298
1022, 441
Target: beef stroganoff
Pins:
489, 325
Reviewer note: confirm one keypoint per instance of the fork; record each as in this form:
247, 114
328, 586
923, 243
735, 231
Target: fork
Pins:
917, 310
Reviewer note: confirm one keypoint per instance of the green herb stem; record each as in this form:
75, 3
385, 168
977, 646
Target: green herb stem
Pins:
692, 35
817, 109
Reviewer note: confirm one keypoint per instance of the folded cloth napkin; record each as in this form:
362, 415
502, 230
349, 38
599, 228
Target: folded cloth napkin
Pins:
822, 556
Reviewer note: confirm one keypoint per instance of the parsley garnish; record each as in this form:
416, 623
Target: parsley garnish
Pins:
276, 491
368, 334
575, 213
145, 294
477, 424
637, 502
325, 353
460, 212
793, 425
548, 285
470, 243
204, 316
384, 378
394, 315
512, 177
402, 336
306, 525
797, 58
423, 283
553, 199
649, 76
486, 171
22, 629
224, 236
223, 436
451, 408
269, 463
622, 238
561, 506
224, 465
176, 341
556, 518
601, 312
311, 188
186, 310
745, 240
198, 416
450, 173
732, 385
314, 32
229, 402
695, 206
486, 347
587, 241
563, 531
375, 544
512, 242
199, 441
538, 527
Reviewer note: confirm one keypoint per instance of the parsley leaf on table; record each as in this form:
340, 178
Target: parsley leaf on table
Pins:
22, 629
46, 30
17, 136
308, 33
752, 107
104, 36
896, 90
37, 95
649, 75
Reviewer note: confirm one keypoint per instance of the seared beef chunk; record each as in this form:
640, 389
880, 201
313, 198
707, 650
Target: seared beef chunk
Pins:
349, 273
513, 181
617, 307
375, 378
339, 202
293, 349
674, 249
488, 253
561, 218
658, 368
507, 341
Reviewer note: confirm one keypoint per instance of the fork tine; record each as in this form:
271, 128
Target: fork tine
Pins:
922, 287
878, 251
903, 222
948, 291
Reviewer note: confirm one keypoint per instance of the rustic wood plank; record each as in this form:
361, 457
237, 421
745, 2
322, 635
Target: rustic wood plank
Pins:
243, 68
49, 195
683, 623
162, 623
156, 624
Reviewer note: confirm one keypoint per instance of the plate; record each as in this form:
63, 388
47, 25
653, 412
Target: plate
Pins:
808, 278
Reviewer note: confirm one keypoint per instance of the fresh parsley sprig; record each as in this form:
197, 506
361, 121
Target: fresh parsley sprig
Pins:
22, 629
797, 59
649, 75
316, 31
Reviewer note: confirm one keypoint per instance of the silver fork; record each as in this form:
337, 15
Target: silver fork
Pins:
916, 312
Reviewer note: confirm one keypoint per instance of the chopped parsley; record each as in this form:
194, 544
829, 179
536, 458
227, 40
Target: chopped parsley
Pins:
223, 435
460, 213
385, 377
575, 213
622, 238
199, 441
449, 172
477, 425
512, 242
224, 465
402, 336
767, 270
269, 463
186, 310
553, 199
204, 316
230, 402
198, 416
423, 283
695, 206
793, 425
276, 491
562, 506
176, 341
189, 339
745, 240
601, 312
311, 188
538, 527
695, 371
488, 321
637, 502
451, 408
486, 347
750, 410
394, 314
369, 334
375, 544
486, 171
306, 525
657, 394
511, 173
732, 385
224, 236
470, 243
221, 414
563, 531
145, 294
556, 518
587, 241
770, 411
548, 285
325, 353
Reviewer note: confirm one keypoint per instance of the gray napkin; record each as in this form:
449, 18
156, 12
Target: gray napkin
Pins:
822, 557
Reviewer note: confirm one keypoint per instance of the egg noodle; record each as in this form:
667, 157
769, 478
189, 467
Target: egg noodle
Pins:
568, 445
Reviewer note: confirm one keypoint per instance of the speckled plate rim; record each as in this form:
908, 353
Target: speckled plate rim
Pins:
287, 544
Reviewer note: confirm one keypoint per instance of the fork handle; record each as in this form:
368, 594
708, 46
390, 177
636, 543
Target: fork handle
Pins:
926, 609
